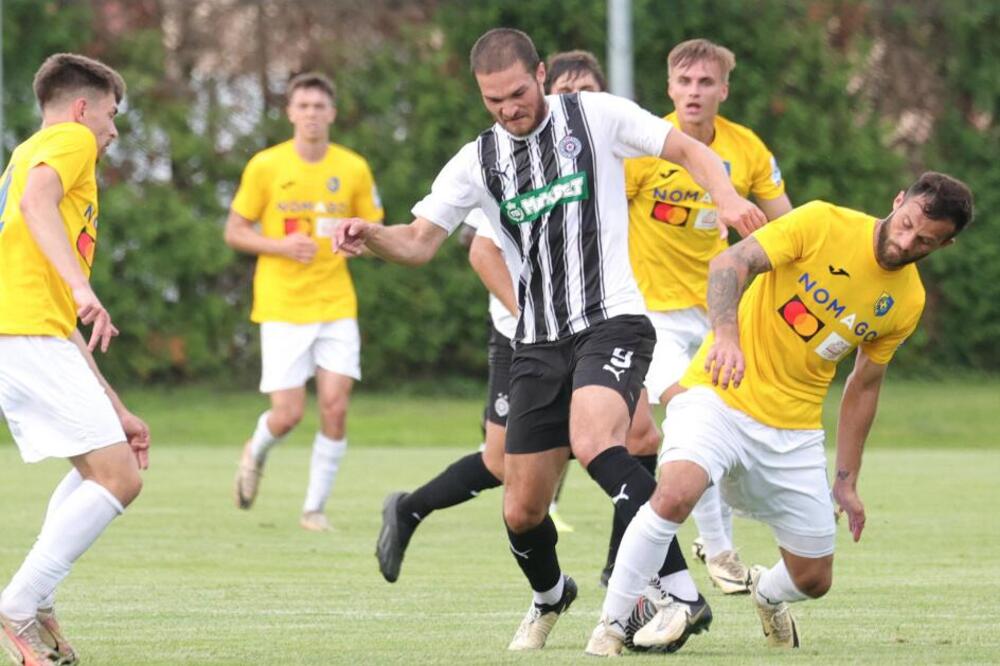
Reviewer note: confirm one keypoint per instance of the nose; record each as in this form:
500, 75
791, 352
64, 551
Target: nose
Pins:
906, 240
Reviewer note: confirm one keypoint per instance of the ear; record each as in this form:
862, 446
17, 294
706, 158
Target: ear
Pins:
78, 107
950, 241
725, 92
898, 201
540, 74
333, 115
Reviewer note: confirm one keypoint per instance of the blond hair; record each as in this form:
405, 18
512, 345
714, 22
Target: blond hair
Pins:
697, 50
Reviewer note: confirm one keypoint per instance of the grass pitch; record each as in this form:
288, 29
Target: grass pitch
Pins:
185, 578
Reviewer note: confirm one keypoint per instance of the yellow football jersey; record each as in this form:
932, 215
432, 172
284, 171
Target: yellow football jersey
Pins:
34, 299
672, 232
825, 296
288, 195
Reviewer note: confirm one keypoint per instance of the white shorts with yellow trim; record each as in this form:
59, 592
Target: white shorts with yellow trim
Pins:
54, 405
679, 333
773, 475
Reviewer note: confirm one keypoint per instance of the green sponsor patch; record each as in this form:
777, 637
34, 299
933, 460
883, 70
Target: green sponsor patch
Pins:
529, 206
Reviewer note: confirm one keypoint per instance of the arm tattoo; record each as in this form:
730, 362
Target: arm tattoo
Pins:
724, 286
843, 474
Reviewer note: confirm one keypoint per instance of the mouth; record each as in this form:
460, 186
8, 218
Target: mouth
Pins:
692, 107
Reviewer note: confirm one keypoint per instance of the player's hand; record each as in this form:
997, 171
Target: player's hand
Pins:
725, 364
738, 213
350, 236
92, 313
299, 247
137, 433
846, 495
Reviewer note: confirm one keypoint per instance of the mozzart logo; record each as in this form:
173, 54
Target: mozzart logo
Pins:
529, 206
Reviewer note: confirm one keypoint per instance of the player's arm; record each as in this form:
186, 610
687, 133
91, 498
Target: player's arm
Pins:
241, 234
487, 260
410, 244
43, 190
135, 428
728, 275
857, 413
708, 171
776, 207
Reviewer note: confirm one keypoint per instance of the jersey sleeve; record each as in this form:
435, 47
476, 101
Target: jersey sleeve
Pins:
454, 192
791, 236
766, 180
636, 132
71, 152
367, 202
882, 349
251, 196
477, 220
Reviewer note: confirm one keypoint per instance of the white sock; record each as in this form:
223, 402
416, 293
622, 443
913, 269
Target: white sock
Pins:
262, 440
69, 483
727, 519
707, 516
326, 456
640, 556
680, 584
775, 585
550, 597
67, 534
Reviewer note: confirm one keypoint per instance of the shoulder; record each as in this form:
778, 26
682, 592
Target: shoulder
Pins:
347, 157
740, 134
270, 156
67, 135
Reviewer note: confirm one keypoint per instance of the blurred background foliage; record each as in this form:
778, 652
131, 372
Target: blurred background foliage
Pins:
855, 98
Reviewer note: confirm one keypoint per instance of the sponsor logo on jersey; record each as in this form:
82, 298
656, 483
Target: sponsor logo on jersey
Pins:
775, 171
838, 271
824, 297
298, 225
85, 244
333, 184
569, 146
669, 214
800, 319
883, 304
834, 347
530, 206
676, 196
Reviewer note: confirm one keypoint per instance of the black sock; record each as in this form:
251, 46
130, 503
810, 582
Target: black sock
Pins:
617, 529
459, 482
629, 486
535, 552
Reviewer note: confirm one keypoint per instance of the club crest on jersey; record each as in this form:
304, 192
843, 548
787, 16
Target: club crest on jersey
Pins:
800, 319
569, 146
529, 206
501, 405
333, 184
883, 304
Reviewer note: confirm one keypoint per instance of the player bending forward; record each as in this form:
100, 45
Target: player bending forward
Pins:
831, 280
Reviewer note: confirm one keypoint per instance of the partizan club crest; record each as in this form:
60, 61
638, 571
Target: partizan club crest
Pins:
569, 146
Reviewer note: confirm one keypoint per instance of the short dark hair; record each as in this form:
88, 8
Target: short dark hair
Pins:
65, 73
500, 48
312, 80
576, 64
945, 198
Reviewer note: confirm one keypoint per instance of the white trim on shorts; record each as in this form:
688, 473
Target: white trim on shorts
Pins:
53, 402
774, 475
679, 333
290, 353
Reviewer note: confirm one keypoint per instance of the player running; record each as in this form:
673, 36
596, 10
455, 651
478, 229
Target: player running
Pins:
304, 298
56, 402
673, 236
550, 177
828, 280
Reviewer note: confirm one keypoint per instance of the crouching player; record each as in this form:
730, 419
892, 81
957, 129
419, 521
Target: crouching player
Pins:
832, 280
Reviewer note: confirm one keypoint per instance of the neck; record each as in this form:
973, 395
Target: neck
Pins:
704, 132
311, 151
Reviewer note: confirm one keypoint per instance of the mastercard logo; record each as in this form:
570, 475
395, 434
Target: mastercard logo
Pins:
299, 225
800, 319
670, 214
85, 244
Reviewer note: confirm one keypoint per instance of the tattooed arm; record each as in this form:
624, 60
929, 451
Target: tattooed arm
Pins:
728, 275
857, 412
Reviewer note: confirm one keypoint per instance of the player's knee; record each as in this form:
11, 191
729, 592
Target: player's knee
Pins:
521, 518
815, 582
285, 417
673, 502
334, 410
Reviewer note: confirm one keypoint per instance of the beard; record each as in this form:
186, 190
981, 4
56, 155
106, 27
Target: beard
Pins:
890, 255
537, 116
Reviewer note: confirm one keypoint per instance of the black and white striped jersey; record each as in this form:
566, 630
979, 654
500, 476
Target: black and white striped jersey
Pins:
556, 199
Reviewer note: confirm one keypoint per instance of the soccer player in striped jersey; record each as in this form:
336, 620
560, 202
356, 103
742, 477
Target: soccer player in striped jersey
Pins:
549, 175
673, 236
55, 400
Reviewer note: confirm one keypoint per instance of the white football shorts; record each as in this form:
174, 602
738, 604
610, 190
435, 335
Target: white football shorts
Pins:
679, 333
54, 405
773, 475
290, 353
